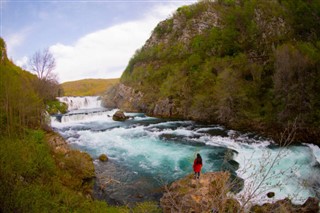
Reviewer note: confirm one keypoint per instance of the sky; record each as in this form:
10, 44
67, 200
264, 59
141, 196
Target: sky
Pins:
88, 38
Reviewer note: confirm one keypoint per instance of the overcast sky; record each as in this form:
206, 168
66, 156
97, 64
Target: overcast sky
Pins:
89, 39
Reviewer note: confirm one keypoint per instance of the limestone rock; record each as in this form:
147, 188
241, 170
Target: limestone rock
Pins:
123, 97
165, 108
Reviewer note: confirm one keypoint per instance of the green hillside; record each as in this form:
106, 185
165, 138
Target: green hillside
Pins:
35, 176
247, 64
87, 87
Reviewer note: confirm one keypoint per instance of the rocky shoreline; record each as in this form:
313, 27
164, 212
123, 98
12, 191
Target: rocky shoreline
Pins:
128, 99
211, 193
78, 164
99, 180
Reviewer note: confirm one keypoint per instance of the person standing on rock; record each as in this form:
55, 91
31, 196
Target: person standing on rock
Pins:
197, 165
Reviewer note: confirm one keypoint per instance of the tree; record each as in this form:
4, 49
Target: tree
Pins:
42, 63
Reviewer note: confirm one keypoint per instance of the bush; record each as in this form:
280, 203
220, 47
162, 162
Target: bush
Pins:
34, 180
56, 107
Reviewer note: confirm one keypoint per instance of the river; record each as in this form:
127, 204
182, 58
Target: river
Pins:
146, 152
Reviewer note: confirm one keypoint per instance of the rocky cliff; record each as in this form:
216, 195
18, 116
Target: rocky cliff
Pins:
211, 193
246, 64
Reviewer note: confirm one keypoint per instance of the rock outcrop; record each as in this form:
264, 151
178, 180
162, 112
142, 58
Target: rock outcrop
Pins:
76, 167
211, 194
119, 116
165, 108
207, 194
57, 143
123, 97
310, 206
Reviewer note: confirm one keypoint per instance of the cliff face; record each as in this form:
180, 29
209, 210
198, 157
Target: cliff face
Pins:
245, 64
124, 97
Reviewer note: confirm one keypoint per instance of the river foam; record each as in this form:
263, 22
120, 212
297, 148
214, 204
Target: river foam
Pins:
157, 151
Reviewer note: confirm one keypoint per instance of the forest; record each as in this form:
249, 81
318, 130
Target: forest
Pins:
251, 65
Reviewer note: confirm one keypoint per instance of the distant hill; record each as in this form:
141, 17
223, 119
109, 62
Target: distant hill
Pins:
87, 87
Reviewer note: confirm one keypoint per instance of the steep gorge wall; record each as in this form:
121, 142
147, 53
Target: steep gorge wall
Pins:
245, 64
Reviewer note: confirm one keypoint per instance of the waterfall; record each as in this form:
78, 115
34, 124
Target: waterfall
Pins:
85, 102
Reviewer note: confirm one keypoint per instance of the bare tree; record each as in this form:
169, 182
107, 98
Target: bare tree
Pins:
43, 63
263, 174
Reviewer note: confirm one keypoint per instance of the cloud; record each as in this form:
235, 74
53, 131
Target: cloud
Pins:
23, 62
16, 39
105, 53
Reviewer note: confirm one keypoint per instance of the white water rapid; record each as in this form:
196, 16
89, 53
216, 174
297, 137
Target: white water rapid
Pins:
152, 151
87, 102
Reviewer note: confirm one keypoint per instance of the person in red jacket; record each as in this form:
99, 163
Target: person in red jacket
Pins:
197, 165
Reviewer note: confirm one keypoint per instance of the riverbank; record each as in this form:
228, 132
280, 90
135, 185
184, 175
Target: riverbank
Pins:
76, 167
146, 153
211, 193
94, 179
186, 194
40, 173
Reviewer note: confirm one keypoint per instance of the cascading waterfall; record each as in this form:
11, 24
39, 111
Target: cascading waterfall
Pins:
147, 152
86, 102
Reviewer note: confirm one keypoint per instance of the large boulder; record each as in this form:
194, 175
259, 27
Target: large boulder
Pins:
119, 116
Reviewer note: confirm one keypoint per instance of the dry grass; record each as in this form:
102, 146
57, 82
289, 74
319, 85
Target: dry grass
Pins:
88, 87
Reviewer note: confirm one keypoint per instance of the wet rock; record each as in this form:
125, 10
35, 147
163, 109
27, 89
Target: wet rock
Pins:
119, 116
270, 194
103, 158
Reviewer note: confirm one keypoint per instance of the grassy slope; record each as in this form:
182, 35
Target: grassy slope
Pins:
35, 174
87, 87
36, 179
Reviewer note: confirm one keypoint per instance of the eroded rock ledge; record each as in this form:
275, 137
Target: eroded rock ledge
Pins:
210, 194
207, 194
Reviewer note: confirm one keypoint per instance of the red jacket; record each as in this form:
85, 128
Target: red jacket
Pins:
196, 166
